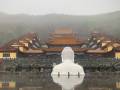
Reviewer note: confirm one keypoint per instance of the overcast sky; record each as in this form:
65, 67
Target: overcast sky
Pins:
74, 7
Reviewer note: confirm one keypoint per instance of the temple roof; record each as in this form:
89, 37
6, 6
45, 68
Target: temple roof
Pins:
63, 31
64, 36
64, 41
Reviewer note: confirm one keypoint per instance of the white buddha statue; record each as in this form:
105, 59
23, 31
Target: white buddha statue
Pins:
68, 67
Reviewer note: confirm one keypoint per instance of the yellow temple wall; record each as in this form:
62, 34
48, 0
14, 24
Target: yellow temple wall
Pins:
10, 84
118, 85
11, 55
0, 84
1, 54
117, 55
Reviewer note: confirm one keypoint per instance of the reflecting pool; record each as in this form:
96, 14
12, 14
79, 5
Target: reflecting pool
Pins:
44, 81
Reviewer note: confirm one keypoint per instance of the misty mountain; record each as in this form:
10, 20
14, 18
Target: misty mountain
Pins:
12, 26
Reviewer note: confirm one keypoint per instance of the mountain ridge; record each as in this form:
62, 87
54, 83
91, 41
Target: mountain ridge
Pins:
13, 26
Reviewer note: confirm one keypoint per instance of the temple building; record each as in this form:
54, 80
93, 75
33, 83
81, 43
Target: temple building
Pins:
26, 44
30, 44
61, 38
10, 54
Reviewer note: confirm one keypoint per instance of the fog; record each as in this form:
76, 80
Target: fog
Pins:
71, 7
12, 26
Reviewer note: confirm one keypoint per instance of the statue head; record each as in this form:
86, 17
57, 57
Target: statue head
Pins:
67, 54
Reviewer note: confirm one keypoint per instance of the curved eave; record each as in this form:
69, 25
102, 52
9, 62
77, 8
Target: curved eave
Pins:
33, 51
64, 44
97, 52
60, 49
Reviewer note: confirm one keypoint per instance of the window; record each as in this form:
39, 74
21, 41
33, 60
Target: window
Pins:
6, 54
